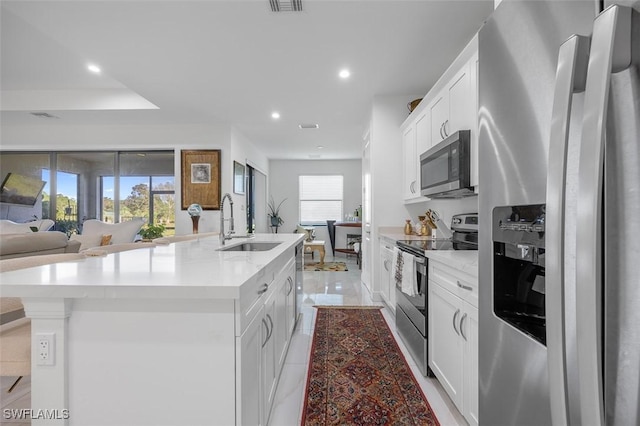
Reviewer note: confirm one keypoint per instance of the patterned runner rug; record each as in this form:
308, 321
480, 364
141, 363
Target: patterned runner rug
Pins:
357, 374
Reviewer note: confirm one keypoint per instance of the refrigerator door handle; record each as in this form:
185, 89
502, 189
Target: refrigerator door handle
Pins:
610, 52
571, 76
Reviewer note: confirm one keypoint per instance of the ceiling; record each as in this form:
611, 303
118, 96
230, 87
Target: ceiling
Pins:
235, 62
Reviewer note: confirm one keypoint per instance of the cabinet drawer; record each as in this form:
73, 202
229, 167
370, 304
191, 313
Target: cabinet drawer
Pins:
457, 282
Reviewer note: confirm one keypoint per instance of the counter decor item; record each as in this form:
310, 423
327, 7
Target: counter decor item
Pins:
194, 211
408, 229
413, 104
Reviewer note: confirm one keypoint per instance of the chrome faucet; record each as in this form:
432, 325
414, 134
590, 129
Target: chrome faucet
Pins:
224, 237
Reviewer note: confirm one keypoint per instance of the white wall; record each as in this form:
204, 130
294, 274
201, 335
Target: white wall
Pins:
233, 145
283, 183
245, 152
445, 208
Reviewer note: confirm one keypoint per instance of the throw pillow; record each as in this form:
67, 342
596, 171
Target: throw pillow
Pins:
106, 240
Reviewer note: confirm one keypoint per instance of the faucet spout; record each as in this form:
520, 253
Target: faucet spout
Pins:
223, 236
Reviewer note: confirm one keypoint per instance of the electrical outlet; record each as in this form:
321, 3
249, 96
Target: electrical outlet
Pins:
46, 348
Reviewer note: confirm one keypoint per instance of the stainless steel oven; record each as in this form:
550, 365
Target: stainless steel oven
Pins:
411, 312
412, 316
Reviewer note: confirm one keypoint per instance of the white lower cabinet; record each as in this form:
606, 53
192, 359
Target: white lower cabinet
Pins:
453, 336
262, 348
387, 282
249, 356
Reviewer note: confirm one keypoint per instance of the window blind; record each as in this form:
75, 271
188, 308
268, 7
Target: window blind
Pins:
320, 199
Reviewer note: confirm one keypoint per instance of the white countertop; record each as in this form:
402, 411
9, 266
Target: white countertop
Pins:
463, 260
189, 269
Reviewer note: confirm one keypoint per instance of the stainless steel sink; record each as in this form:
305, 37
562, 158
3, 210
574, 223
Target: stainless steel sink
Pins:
251, 246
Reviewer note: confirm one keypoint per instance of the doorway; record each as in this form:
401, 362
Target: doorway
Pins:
256, 201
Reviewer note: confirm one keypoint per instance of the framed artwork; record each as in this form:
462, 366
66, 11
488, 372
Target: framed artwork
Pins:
238, 178
200, 172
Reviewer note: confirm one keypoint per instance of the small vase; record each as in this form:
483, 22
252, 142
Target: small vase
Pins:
194, 220
408, 229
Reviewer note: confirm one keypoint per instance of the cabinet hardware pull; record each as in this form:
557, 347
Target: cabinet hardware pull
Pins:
271, 329
386, 265
291, 285
267, 327
454, 322
263, 288
465, 287
444, 128
441, 134
461, 322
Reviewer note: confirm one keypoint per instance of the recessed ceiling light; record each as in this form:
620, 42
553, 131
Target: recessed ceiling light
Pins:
345, 73
94, 68
275, 115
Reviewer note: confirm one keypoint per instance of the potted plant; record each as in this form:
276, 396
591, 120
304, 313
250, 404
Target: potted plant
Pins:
67, 226
274, 212
151, 231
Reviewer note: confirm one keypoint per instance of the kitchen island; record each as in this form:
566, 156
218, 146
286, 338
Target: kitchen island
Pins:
170, 335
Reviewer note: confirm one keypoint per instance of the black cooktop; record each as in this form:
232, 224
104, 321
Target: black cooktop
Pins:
420, 246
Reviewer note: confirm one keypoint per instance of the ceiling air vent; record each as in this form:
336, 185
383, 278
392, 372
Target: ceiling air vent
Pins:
43, 115
286, 5
308, 126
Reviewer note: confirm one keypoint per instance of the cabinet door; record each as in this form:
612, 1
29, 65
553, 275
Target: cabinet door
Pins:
280, 329
423, 134
386, 283
469, 330
445, 344
269, 358
439, 115
249, 360
290, 294
460, 103
410, 185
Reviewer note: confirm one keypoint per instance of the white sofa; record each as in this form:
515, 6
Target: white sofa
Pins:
95, 233
11, 227
35, 244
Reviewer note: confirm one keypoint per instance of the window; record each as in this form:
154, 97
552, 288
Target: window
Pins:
320, 199
112, 186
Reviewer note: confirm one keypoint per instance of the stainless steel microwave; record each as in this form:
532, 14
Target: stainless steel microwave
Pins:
445, 169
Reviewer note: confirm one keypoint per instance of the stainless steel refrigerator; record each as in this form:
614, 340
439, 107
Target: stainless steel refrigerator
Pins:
559, 253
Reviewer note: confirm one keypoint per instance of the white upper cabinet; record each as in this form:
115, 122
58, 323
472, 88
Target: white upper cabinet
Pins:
423, 138
451, 105
410, 187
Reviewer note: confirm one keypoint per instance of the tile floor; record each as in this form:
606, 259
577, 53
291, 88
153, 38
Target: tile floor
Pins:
320, 288
340, 288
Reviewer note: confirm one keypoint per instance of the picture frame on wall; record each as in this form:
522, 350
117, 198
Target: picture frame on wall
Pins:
200, 178
238, 178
